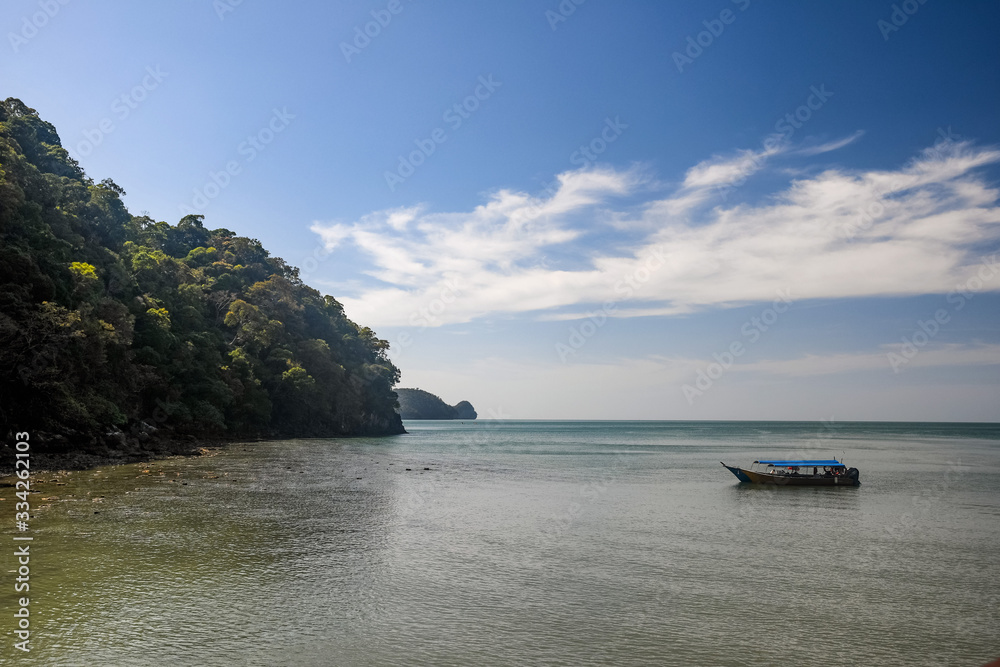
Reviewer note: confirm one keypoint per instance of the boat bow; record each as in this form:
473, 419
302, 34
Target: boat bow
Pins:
740, 474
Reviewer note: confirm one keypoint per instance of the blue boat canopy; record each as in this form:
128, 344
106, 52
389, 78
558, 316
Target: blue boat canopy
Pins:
831, 463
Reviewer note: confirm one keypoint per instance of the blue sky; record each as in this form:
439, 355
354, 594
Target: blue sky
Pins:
685, 210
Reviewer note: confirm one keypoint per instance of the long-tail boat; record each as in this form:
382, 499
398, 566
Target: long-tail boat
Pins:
818, 472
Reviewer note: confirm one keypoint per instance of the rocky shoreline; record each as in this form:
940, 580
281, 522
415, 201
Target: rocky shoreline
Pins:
119, 449
52, 461
141, 443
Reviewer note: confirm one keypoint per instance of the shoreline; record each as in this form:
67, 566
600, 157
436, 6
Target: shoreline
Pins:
51, 462
162, 448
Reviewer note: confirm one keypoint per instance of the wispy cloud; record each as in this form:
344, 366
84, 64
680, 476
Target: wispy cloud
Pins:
720, 171
829, 146
837, 234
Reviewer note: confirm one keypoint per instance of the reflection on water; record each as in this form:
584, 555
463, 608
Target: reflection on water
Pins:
523, 543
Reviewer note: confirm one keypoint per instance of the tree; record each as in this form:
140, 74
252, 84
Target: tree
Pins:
109, 320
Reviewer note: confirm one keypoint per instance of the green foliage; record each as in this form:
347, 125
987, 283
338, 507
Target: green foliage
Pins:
83, 271
108, 320
159, 317
420, 404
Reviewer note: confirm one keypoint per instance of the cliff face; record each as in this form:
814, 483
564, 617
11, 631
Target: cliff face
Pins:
464, 410
420, 404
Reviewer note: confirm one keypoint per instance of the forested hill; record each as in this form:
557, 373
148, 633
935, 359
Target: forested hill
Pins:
420, 404
121, 332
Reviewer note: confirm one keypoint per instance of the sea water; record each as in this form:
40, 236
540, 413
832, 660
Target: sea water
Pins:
524, 543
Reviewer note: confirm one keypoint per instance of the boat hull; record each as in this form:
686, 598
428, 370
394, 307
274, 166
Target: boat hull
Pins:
753, 477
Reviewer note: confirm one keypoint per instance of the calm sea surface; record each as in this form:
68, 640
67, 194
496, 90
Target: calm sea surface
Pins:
523, 543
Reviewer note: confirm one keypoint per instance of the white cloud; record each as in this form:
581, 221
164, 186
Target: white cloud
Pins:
720, 171
830, 145
331, 234
837, 234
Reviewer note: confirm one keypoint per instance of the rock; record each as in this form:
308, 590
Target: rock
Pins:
464, 410
115, 436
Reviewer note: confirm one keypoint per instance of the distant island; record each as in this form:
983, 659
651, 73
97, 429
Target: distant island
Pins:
420, 404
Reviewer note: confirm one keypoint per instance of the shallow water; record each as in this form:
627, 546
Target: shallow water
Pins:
560, 543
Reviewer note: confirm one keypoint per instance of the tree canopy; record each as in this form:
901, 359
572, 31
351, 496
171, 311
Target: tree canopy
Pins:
114, 326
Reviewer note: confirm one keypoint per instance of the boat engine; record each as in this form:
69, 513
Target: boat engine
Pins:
853, 473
